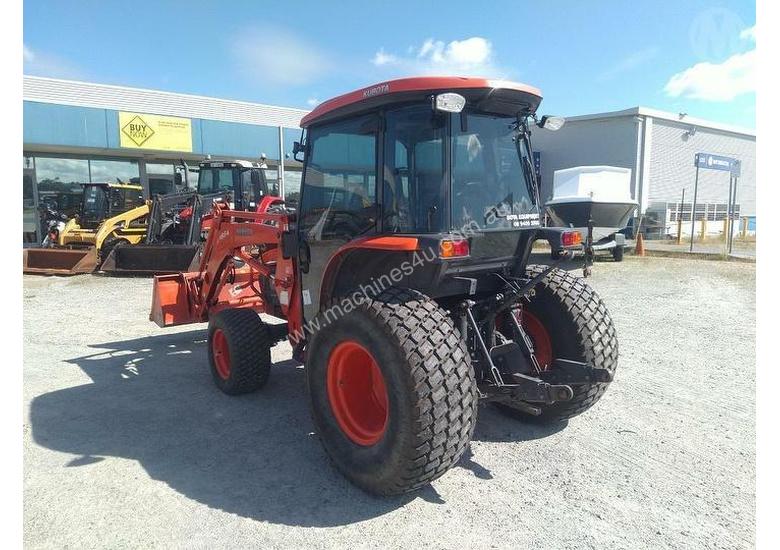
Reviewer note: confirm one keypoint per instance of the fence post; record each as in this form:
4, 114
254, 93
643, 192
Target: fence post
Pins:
679, 217
693, 206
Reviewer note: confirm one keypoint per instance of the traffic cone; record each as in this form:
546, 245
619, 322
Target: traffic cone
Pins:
640, 245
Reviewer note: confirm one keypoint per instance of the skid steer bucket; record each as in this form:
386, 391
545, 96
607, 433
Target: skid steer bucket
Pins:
59, 261
170, 300
152, 258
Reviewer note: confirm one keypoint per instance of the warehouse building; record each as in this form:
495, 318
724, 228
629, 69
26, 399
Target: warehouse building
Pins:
660, 149
77, 132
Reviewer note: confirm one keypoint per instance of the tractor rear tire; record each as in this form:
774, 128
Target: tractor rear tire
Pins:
579, 328
239, 351
393, 392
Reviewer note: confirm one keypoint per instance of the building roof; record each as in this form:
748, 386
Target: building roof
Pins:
665, 115
122, 98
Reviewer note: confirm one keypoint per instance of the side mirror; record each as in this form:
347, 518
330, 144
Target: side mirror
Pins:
298, 147
551, 123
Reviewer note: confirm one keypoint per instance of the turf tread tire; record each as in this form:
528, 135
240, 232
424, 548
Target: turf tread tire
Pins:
434, 367
249, 343
595, 340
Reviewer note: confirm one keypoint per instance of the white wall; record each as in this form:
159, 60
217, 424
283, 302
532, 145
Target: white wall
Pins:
672, 165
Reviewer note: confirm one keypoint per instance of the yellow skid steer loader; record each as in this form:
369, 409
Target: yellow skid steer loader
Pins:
110, 214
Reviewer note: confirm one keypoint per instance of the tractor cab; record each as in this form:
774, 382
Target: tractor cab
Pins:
434, 163
242, 182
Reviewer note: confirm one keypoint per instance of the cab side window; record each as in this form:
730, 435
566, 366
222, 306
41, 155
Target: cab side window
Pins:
414, 182
340, 195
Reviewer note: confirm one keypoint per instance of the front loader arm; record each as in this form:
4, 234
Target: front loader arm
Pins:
119, 222
240, 254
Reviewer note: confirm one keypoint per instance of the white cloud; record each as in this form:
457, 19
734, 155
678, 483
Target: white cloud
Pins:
718, 81
39, 63
749, 34
382, 58
313, 102
272, 56
472, 56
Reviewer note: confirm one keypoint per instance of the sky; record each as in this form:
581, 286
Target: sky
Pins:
691, 56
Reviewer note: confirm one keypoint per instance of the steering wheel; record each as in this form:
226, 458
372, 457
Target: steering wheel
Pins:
474, 194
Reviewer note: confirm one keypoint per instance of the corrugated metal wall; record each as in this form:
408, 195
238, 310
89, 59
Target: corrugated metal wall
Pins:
672, 165
611, 141
120, 98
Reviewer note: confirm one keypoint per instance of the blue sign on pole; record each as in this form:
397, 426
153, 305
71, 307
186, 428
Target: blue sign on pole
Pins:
709, 161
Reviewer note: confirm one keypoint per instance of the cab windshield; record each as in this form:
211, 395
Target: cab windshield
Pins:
490, 185
215, 180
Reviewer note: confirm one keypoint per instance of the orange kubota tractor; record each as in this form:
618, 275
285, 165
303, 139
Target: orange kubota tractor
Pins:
404, 280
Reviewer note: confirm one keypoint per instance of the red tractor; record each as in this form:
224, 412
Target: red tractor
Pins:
404, 282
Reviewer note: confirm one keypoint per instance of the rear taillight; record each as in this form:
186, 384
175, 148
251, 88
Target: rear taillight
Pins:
453, 249
571, 238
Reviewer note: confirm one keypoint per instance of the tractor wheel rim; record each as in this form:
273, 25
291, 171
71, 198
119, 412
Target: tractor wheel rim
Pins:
357, 393
221, 353
540, 338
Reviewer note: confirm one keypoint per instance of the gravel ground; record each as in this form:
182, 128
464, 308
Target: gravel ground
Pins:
127, 443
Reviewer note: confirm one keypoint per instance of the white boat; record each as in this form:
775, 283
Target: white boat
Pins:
598, 193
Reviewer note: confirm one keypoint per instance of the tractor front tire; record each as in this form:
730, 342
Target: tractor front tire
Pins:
393, 392
239, 351
573, 323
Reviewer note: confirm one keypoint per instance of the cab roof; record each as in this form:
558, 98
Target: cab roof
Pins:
494, 95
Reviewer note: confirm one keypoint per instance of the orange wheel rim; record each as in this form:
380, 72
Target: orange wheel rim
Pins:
221, 353
357, 393
539, 337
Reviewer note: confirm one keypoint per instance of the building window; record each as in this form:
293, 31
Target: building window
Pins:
113, 171
59, 183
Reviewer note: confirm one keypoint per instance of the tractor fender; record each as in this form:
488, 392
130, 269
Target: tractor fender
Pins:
362, 259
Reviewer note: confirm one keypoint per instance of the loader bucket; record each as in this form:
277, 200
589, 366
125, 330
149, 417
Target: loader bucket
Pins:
170, 301
59, 261
150, 258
